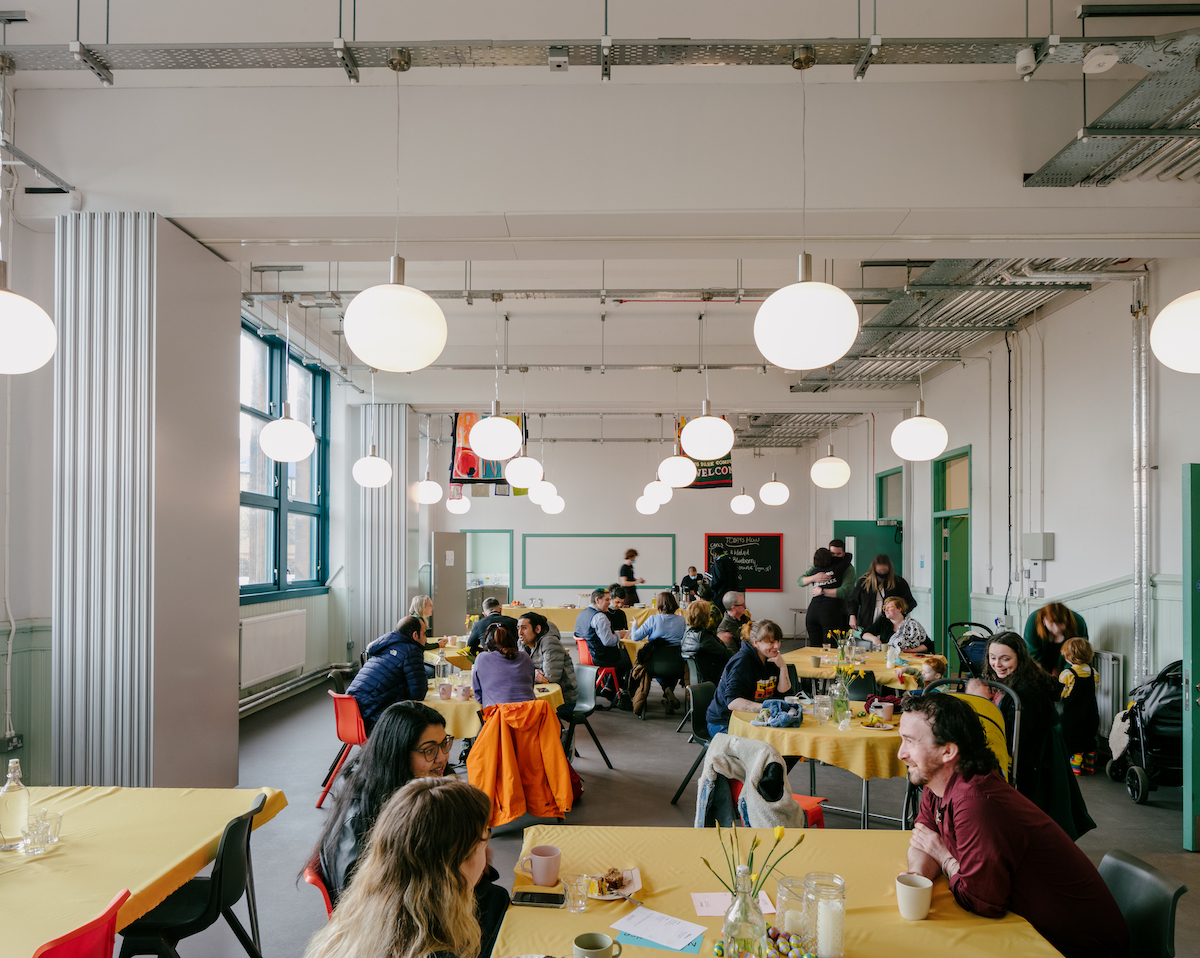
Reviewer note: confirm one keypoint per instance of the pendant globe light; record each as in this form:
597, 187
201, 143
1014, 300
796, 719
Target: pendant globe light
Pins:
372, 471
286, 439
460, 506
742, 504
429, 491
523, 471
646, 506
495, 437
553, 505
1175, 335
773, 493
920, 438
540, 491
806, 325
830, 472
677, 471
27, 334
658, 491
707, 437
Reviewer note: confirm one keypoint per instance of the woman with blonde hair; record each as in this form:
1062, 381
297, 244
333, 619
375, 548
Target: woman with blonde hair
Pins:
866, 601
422, 608
413, 894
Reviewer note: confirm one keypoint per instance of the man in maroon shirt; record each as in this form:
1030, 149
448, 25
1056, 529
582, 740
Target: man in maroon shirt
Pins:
1000, 851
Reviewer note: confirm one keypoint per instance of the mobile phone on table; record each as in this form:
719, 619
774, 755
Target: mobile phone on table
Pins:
539, 899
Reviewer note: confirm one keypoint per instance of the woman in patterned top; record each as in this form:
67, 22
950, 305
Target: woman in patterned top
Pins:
908, 635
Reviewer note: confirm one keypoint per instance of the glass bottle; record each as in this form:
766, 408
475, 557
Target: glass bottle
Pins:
441, 669
14, 808
825, 914
744, 927
841, 695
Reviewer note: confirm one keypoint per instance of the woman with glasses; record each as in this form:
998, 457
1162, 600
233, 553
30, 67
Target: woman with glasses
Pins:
412, 895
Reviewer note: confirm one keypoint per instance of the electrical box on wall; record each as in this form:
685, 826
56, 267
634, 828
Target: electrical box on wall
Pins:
1037, 545
1037, 570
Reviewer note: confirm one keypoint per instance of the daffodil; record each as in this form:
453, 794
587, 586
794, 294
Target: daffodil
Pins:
778, 833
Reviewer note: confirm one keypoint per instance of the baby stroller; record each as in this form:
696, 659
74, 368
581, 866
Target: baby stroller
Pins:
1147, 739
971, 644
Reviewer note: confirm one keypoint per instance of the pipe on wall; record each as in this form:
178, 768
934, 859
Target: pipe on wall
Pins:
1141, 481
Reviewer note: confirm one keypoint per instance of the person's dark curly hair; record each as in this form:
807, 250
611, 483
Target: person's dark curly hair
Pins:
953, 720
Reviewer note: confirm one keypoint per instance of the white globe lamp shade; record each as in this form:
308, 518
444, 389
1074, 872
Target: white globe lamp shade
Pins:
371, 471
287, 439
1175, 335
539, 492
428, 491
920, 438
677, 471
459, 506
773, 493
522, 472
495, 437
646, 506
706, 437
830, 472
806, 326
659, 491
27, 335
742, 504
395, 327
554, 505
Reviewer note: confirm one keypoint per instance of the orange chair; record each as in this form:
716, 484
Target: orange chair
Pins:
93, 940
312, 875
810, 803
351, 732
585, 658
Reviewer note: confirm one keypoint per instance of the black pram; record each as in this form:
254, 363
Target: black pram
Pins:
1147, 739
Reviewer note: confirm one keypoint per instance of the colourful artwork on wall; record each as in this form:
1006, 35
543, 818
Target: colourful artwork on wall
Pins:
465, 463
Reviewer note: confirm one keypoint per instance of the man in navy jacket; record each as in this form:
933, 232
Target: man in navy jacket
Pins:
393, 671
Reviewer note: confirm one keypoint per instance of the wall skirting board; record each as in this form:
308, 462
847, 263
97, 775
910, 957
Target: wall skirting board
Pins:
31, 697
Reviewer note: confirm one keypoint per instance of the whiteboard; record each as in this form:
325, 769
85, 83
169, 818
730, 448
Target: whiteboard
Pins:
586, 561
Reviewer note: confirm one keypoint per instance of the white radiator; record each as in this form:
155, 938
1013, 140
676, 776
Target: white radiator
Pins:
1110, 697
272, 645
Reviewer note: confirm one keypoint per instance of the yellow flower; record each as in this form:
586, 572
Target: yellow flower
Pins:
778, 833
754, 878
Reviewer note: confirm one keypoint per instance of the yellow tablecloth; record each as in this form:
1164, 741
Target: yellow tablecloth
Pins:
632, 648
563, 617
669, 861
149, 840
455, 656
462, 718
866, 753
876, 662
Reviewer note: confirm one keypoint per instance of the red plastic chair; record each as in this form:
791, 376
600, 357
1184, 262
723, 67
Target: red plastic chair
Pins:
93, 940
351, 732
810, 803
585, 658
312, 875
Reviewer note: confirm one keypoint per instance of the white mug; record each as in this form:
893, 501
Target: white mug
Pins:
541, 864
913, 895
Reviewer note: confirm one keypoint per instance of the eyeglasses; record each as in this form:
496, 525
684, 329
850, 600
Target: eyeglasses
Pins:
431, 750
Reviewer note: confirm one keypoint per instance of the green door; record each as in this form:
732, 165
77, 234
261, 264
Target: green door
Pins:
952, 592
869, 540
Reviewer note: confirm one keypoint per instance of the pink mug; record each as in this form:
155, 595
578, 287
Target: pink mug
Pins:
445, 690
464, 693
885, 710
541, 864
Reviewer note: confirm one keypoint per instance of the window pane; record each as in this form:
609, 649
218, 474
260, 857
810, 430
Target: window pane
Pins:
256, 563
301, 548
891, 505
257, 469
256, 378
302, 480
958, 483
300, 390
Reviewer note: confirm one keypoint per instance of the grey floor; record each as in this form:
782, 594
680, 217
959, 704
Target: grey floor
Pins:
289, 746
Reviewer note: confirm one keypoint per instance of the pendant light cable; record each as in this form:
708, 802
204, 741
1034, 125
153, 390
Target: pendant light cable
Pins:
396, 245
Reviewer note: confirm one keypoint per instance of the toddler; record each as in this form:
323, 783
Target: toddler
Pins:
933, 668
1080, 716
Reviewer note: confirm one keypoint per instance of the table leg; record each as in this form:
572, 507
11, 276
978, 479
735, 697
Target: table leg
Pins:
866, 803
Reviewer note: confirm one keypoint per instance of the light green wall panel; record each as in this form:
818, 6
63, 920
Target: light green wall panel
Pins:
31, 698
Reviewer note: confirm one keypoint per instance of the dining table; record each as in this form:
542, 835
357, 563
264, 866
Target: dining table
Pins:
456, 655
149, 840
462, 715
669, 862
875, 662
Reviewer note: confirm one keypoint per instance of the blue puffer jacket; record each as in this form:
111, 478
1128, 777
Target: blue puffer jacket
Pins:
394, 672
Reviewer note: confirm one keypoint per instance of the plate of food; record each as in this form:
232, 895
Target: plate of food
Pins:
879, 726
614, 883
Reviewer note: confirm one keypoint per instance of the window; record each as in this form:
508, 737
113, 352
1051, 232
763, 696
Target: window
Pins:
889, 498
284, 525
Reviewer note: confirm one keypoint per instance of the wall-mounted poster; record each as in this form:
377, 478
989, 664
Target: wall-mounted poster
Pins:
714, 474
465, 464
759, 558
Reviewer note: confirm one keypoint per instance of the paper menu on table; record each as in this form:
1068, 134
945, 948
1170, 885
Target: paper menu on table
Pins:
644, 922
716, 903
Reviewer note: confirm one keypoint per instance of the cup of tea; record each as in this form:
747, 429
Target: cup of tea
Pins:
596, 945
541, 864
814, 661
445, 690
464, 693
913, 895
885, 710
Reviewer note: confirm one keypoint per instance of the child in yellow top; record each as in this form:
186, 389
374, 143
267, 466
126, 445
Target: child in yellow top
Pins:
1080, 716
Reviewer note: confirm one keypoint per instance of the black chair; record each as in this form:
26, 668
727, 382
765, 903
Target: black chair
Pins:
199, 903
693, 678
585, 705
699, 698
862, 686
666, 665
1147, 897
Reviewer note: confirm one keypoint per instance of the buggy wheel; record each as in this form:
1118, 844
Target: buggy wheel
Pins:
1137, 784
1115, 769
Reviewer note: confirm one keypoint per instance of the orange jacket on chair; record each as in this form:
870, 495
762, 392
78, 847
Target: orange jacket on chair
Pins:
518, 760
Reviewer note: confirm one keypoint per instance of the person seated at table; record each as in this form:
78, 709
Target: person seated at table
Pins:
413, 895
865, 602
908, 635
664, 624
755, 674
393, 671
1044, 773
491, 617
933, 668
1047, 629
422, 607
689, 585
501, 674
551, 663
700, 642
603, 642
999, 851
617, 606
729, 629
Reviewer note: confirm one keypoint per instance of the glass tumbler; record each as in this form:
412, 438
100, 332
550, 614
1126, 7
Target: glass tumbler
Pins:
576, 889
825, 914
53, 822
35, 837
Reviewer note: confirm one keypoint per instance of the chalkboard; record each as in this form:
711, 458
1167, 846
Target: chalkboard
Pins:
759, 558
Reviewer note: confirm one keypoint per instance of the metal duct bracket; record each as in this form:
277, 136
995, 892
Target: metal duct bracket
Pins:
864, 60
1044, 50
346, 59
85, 56
29, 161
606, 52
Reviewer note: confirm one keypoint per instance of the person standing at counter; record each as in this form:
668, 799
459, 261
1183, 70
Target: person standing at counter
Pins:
690, 583
627, 580
1047, 629
725, 577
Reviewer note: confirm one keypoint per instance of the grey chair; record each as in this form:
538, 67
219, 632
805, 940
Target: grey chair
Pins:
693, 678
1147, 897
666, 666
585, 705
699, 697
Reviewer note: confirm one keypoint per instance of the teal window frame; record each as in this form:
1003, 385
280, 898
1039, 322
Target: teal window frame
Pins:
280, 505
880, 484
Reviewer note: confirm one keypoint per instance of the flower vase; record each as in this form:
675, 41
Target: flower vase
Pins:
744, 928
841, 695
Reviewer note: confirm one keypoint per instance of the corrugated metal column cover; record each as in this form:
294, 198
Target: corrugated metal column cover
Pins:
381, 535
103, 488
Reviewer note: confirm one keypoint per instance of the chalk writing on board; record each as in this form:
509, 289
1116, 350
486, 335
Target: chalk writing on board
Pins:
756, 556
